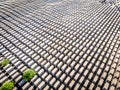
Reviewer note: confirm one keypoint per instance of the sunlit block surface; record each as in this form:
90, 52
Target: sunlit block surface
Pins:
71, 44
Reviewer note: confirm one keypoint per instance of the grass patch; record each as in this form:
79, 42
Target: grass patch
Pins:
4, 62
8, 85
28, 74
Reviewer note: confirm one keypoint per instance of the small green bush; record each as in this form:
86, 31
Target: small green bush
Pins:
28, 74
4, 62
8, 85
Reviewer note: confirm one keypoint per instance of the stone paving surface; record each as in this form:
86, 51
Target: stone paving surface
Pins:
71, 44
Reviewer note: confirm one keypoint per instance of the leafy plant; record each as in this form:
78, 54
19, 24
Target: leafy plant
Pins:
8, 85
4, 62
29, 74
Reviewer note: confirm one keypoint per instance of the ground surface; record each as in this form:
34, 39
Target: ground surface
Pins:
71, 44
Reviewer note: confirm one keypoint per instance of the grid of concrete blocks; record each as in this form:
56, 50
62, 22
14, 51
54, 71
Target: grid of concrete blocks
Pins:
71, 44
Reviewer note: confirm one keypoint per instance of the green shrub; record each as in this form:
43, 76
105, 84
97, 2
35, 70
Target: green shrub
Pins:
28, 74
4, 62
8, 85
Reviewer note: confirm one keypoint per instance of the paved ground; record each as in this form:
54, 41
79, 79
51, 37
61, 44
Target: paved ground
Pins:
71, 44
